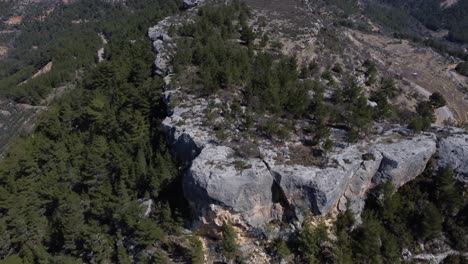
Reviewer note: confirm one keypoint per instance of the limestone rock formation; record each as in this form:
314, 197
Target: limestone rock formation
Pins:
217, 177
405, 160
256, 188
253, 191
453, 151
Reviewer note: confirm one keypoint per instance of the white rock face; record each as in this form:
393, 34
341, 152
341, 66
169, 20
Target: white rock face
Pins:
265, 190
405, 160
244, 186
161, 45
453, 151
360, 184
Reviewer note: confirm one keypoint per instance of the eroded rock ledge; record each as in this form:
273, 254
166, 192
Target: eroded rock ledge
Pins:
254, 191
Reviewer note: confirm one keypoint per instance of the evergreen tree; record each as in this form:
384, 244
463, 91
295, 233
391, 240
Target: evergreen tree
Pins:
309, 240
228, 245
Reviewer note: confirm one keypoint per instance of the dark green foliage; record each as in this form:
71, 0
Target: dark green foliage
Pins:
442, 47
281, 249
342, 250
424, 115
437, 100
431, 222
384, 109
448, 197
348, 7
392, 17
462, 68
71, 46
420, 211
455, 259
393, 221
196, 251
309, 241
229, 246
271, 83
367, 241
403, 16
72, 192
371, 72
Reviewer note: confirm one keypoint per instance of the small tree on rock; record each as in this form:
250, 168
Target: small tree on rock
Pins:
229, 245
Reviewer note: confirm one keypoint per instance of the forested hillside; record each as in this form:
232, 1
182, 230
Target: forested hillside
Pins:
415, 20
435, 16
81, 188
97, 183
428, 211
67, 37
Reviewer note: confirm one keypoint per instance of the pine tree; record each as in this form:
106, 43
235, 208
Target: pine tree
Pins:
229, 244
448, 197
309, 240
196, 250
431, 222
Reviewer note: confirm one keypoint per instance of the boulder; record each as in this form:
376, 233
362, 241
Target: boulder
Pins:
161, 65
344, 182
453, 151
404, 160
188, 4
243, 186
361, 182
181, 144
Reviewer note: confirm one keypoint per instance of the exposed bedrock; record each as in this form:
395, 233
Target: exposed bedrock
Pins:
243, 186
453, 151
253, 191
403, 161
262, 190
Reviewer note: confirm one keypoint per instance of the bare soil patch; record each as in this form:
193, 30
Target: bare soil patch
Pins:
3, 51
415, 67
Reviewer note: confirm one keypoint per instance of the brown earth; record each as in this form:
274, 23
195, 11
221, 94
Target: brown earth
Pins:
3, 51
419, 69
15, 20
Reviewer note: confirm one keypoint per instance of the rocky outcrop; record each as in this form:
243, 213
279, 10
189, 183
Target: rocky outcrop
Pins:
252, 191
217, 177
187, 4
162, 46
263, 190
403, 161
453, 151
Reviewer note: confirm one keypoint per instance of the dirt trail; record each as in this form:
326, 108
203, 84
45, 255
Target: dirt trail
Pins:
47, 68
456, 77
448, 3
100, 52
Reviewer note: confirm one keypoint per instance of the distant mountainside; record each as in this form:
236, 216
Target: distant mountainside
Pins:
436, 15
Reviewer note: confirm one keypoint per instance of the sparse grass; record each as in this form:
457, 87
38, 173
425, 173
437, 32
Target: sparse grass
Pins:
241, 165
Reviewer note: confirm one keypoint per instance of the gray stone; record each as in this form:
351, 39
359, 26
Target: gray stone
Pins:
360, 184
453, 152
405, 160
180, 143
188, 4
243, 186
